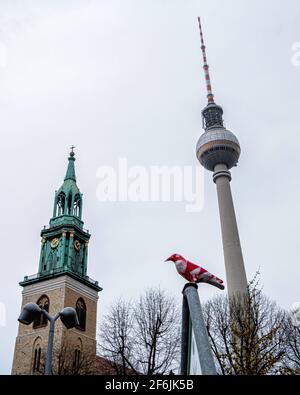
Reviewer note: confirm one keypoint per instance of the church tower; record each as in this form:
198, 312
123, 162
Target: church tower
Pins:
61, 281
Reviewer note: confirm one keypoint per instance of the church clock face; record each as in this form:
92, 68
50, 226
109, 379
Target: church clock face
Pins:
54, 242
77, 245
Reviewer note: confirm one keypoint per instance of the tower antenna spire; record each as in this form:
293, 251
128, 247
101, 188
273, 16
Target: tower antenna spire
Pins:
210, 95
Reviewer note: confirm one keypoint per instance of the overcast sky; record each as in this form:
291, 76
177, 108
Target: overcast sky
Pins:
124, 79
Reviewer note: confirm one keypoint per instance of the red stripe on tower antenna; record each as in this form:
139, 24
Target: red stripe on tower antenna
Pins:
210, 95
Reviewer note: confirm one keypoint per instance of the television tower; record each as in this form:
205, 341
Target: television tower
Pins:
218, 150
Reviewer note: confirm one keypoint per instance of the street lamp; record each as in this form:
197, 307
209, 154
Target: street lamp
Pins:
192, 317
68, 316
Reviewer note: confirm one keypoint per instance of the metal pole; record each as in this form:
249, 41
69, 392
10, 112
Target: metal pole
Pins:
185, 337
48, 365
201, 336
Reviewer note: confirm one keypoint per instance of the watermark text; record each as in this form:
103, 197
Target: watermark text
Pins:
152, 184
296, 54
2, 314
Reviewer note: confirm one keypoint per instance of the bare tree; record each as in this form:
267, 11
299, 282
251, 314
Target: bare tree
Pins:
292, 355
247, 335
116, 337
68, 361
142, 337
157, 330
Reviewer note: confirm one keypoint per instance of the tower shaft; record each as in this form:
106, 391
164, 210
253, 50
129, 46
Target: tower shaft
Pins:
233, 256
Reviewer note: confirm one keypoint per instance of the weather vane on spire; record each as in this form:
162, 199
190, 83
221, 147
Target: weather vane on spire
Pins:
210, 95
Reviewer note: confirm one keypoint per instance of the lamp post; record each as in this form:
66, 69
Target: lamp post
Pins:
68, 316
192, 314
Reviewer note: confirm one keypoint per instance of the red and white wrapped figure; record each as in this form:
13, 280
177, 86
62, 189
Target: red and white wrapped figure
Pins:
194, 273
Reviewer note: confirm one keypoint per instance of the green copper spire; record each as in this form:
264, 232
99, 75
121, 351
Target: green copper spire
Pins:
68, 199
70, 175
64, 249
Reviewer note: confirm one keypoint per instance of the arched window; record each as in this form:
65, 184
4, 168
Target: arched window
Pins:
37, 360
52, 260
77, 361
70, 204
77, 206
81, 313
77, 355
37, 351
61, 203
41, 321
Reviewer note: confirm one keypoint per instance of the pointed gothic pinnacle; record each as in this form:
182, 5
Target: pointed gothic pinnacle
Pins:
70, 174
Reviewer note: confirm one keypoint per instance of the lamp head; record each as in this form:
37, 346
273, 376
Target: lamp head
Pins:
29, 313
69, 317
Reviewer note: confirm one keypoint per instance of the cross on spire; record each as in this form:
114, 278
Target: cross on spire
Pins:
72, 153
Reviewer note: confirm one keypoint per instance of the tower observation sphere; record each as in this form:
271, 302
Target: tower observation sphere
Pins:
217, 145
